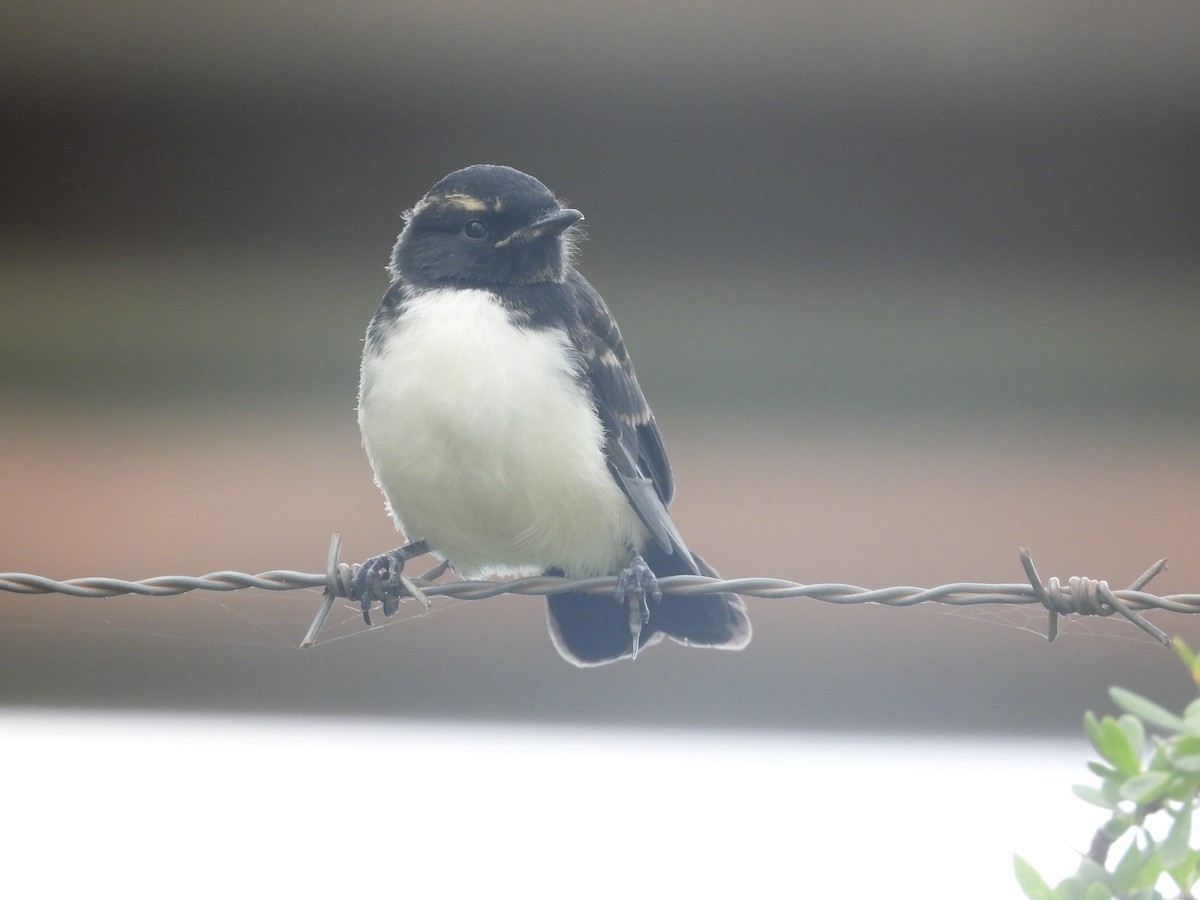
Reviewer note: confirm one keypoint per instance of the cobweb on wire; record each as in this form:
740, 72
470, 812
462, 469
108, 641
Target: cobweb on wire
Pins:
1032, 620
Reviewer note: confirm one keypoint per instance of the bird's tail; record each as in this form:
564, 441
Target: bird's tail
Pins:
593, 629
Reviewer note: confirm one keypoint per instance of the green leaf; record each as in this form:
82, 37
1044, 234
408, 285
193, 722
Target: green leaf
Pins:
1184, 652
1174, 848
1102, 770
1146, 787
1031, 882
1189, 763
1127, 874
1094, 796
1113, 829
1145, 709
1158, 761
1189, 659
1135, 735
1091, 872
1184, 753
1191, 717
1091, 881
1184, 788
1072, 888
1091, 726
1184, 874
1112, 743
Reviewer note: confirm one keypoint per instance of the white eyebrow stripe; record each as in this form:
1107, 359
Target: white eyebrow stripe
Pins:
466, 201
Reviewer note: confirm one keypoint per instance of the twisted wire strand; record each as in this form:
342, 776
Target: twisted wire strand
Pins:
957, 594
1078, 596
161, 586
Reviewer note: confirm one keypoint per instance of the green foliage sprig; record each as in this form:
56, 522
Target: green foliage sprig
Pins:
1145, 795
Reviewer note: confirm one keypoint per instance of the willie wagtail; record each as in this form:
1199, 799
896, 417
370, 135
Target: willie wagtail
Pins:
500, 411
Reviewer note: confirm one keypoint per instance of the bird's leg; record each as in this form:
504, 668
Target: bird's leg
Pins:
381, 578
637, 585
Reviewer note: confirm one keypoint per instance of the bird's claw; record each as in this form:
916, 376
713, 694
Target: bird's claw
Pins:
381, 579
637, 585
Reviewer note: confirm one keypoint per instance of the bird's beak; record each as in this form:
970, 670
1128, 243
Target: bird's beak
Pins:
550, 225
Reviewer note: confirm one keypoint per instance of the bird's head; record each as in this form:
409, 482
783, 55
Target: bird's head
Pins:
486, 225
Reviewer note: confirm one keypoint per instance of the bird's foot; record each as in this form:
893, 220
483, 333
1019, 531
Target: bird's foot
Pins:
381, 579
637, 585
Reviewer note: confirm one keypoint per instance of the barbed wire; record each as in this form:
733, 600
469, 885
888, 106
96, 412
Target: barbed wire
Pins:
1077, 596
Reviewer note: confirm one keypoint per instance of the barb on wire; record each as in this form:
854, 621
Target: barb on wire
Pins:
1079, 596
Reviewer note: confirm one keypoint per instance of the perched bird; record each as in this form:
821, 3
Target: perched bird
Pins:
507, 430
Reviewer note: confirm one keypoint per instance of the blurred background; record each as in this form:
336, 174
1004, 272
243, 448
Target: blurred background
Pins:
909, 287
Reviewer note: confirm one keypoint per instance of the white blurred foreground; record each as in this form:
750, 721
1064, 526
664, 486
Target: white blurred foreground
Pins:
166, 805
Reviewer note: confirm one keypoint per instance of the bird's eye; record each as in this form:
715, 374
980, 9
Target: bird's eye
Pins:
475, 229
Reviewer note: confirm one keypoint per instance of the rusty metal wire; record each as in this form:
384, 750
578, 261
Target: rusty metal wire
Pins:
1078, 596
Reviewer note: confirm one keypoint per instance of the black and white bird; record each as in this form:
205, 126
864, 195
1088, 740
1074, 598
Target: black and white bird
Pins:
507, 430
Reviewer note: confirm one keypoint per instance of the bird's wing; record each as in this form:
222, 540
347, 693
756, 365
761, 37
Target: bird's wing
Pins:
633, 445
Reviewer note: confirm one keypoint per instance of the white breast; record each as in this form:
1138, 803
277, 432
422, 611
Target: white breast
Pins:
486, 446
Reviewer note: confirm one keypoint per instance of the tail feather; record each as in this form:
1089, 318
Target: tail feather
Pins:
592, 629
